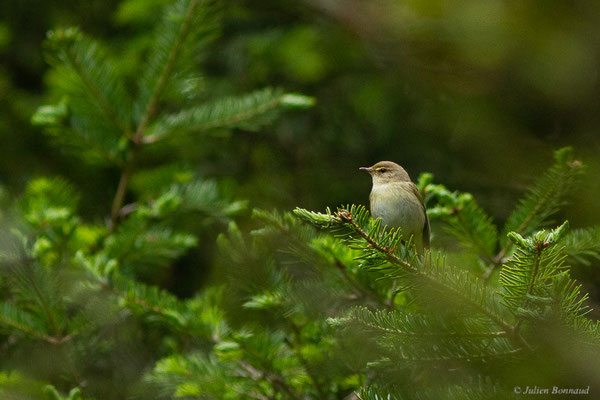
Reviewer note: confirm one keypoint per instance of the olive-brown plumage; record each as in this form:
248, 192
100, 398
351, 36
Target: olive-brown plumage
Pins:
397, 201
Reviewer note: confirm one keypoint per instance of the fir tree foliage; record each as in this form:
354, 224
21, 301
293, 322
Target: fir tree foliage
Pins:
464, 219
529, 275
312, 305
467, 222
454, 317
547, 196
14, 385
331, 302
250, 112
186, 27
358, 279
102, 117
583, 245
88, 288
316, 305
400, 324
96, 109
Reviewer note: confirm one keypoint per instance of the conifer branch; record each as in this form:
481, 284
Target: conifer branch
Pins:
361, 290
467, 300
101, 100
276, 381
583, 244
102, 152
34, 288
120, 196
17, 319
165, 74
388, 323
346, 216
244, 115
461, 357
96, 103
538, 248
250, 112
151, 300
534, 272
49, 314
354, 219
495, 262
550, 192
294, 348
137, 139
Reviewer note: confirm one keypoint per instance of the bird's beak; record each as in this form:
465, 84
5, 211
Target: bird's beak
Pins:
366, 169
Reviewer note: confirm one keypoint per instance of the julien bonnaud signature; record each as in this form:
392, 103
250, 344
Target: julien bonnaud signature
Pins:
550, 390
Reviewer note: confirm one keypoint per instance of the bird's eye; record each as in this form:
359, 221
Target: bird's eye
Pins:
382, 170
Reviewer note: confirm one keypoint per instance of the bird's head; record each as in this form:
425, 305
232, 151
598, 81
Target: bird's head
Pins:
386, 172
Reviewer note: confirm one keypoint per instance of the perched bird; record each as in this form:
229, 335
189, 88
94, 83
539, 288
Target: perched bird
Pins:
397, 201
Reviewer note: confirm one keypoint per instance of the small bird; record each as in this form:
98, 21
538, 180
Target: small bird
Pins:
397, 201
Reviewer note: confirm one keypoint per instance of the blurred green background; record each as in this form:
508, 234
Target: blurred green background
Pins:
477, 92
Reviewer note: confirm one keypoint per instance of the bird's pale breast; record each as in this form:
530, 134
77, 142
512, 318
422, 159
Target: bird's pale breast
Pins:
397, 206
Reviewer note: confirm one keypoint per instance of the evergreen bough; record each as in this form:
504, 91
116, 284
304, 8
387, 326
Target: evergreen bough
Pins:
73, 286
312, 305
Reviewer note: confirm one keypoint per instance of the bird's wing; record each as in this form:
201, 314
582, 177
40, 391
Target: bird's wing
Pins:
426, 232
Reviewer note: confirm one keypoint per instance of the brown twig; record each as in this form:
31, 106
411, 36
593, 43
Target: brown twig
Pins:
120, 193
275, 380
495, 262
